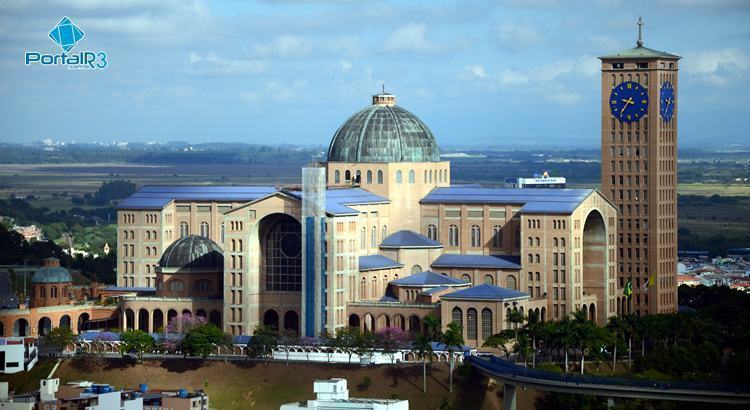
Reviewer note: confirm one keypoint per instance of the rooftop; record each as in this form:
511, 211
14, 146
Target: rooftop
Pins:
486, 292
532, 200
451, 260
408, 239
375, 262
428, 278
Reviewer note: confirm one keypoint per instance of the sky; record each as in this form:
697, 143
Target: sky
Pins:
502, 73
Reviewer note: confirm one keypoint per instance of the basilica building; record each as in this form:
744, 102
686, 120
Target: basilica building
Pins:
375, 236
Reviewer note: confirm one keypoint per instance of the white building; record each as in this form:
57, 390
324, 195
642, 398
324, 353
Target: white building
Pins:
333, 394
17, 354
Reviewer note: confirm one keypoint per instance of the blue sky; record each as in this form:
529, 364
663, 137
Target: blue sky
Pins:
505, 73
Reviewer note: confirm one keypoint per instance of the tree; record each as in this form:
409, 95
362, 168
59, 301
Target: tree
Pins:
432, 325
423, 347
136, 341
346, 340
534, 328
60, 337
617, 326
184, 322
288, 338
564, 336
365, 344
501, 341
391, 340
263, 341
201, 340
453, 338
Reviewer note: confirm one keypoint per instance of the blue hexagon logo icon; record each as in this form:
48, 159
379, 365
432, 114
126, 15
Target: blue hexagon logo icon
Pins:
66, 34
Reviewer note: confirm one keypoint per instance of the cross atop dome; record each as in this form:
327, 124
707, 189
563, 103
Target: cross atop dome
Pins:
639, 43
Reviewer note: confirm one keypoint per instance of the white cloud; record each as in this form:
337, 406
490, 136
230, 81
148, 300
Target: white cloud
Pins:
717, 67
345, 66
410, 37
286, 46
476, 70
519, 35
512, 77
563, 98
212, 64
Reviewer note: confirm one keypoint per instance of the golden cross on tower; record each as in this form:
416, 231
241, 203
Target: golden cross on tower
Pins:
640, 29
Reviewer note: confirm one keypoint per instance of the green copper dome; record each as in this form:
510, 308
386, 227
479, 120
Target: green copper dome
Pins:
383, 132
192, 251
51, 274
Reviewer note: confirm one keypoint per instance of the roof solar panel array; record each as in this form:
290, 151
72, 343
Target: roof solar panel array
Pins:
531, 199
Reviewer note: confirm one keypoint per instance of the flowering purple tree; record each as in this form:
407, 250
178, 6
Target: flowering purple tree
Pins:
390, 340
105, 337
185, 322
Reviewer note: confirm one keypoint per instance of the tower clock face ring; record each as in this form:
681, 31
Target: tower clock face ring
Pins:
628, 101
666, 101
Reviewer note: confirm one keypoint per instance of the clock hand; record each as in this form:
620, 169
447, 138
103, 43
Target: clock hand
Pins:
629, 101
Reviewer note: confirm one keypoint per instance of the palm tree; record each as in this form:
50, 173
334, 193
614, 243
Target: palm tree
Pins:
534, 329
515, 318
500, 341
634, 329
565, 336
585, 334
453, 337
618, 328
432, 325
423, 347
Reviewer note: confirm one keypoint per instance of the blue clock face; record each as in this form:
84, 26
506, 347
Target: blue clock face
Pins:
629, 101
666, 98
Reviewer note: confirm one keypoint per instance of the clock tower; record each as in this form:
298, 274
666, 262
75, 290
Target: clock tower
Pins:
639, 172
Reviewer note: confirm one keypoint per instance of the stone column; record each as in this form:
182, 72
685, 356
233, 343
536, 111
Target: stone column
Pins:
136, 317
151, 321
124, 321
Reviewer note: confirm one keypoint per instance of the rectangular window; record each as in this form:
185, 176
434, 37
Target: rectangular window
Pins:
204, 208
475, 214
641, 65
452, 213
618, 66
497, 214
183, 208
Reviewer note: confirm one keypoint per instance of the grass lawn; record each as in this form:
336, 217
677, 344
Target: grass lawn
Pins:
244, 385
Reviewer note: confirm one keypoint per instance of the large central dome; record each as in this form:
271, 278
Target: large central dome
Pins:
383, 132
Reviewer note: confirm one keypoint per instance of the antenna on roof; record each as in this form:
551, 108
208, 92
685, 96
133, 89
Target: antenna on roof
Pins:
639, 43
383, 88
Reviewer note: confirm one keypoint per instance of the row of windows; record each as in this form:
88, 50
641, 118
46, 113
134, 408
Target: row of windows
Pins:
200, 285
373, 236
536, 241
52, 292
429, 175
457, 316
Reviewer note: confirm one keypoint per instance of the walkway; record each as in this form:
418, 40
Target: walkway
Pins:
512, 376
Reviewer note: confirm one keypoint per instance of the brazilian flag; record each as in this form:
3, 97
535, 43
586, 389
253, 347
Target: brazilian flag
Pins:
628, 288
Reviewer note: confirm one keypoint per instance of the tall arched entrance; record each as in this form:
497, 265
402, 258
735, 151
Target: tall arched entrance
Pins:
271, 319
291, 322
281, 253
21, 327
595, 261
45, 326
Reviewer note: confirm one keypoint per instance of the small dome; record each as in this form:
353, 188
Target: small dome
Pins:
192, 251
383, 132
51, 274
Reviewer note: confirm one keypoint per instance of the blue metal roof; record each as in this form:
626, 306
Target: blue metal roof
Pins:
389, 299
158, 196
338, 200
533, 199
129, 289
486, 292
428, 278
452, 260
374, 262
408, 239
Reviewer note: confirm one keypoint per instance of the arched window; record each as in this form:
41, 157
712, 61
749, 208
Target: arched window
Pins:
363, 288
486, 323
202, 285
471, 324
430, 178
497, 236
537, 258
337, 176
358, 176
453, 235
531, 258
184, 231
425, 176
204, 229
457, 316
466, 278
411, 176
380, 177
363, 238
176, 285
222, 232
510, 282
53, 292
531, 241
432, 232
385, 232
42, 292
369, 177
347, 175
374, 237
562, 242
416, 269
399, 177
538, 276
537, 241
554, 242
489, 280
476, 236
